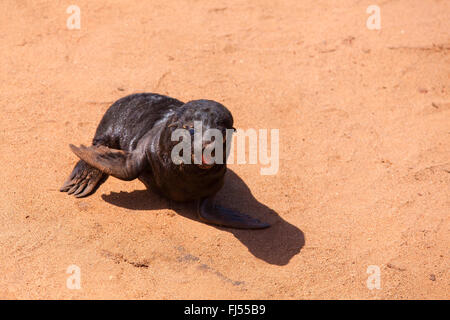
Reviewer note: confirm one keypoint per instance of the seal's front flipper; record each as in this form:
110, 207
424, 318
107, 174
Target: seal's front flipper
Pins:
118, 163
84, 180
213, 214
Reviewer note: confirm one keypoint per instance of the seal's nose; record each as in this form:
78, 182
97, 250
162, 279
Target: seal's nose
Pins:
207, 144
217, 139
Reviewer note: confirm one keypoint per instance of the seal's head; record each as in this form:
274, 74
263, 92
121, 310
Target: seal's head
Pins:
208, 124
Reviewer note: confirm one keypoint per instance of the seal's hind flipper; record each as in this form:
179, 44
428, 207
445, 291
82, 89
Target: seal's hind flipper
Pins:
213, 214
84, 180
118, 163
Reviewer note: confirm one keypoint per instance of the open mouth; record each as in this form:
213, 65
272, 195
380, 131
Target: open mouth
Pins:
207, 163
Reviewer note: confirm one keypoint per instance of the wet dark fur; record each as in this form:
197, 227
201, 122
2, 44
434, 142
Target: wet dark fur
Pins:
154, 117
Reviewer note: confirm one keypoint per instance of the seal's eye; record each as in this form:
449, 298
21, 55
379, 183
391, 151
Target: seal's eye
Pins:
191, 131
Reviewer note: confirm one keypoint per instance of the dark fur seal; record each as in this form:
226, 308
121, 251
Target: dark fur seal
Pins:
133, 140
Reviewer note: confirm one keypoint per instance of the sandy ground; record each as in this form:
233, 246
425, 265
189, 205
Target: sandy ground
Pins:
364, 120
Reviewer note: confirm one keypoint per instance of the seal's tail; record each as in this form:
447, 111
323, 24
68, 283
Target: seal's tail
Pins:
84, 180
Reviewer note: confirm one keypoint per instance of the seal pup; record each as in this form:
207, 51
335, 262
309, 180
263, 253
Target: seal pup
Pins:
133, 140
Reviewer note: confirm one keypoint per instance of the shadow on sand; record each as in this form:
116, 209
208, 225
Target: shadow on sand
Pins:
275, 245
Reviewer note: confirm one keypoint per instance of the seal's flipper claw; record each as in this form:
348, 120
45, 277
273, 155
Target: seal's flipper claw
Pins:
118, 163
84, 180
213, 214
